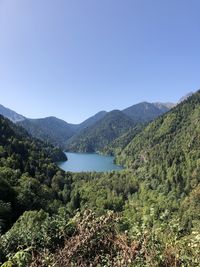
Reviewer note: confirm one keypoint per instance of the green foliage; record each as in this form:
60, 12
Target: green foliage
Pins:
102, 133
36, 229
166, 150
91, 121
26, 168
95, 242
120, 143
103, 192
50, 129
20, 259
145, 112
157, 198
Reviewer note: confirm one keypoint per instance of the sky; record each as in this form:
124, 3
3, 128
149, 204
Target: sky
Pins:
73, 58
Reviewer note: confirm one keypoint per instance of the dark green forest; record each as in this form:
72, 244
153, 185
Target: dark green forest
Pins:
50, 129
145, 215
95, 133
96, 137
145, 112
115, 129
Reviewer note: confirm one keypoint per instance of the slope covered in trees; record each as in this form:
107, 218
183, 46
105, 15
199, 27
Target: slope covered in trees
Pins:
51, 129
91, 121
167, 147
145, 215
57, 132
26, 164
165, 158
145, 112
115, 124
99, 135
116, 146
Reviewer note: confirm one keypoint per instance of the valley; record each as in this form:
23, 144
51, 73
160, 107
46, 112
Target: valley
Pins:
95, 133
156, 195
99, 133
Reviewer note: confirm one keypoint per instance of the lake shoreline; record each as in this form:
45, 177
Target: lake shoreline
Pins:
78, 162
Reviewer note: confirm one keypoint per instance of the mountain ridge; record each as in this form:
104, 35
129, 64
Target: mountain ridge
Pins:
145, 111
10, 114
50, 129
154, 201
60, 133
95, 137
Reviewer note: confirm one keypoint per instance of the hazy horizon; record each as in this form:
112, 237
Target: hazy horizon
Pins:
71, 59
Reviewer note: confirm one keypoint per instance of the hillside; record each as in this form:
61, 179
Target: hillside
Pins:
91, 121
57, 132
167, 149
185, 97
115, 147
50, 129
112, 126
10, 114
159, 192
145, 215
164, 106
99, 135
22, 155
145, 112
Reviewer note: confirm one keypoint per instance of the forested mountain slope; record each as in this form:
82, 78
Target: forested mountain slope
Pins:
50, 129
167, 149
113, 125
156, 200
145, 112
99, 135
57, 132
116, 146
185, 97
25, 163
91, 121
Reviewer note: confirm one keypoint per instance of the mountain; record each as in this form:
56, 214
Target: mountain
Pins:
58, 132
90, 121
50, 129
164, 106
185, 97
23, 160
116, 146
10, 114
153, 203
168, 147
145, 112
99, 135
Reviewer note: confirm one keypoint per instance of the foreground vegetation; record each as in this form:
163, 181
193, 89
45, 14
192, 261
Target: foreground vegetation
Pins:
146, 215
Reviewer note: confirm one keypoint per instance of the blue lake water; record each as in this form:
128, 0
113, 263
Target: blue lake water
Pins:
88, 162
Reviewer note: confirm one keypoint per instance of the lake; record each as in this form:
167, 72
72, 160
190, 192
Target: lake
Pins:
88, 162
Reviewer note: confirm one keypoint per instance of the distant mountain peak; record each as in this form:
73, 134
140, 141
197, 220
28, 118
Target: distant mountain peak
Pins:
145, 111
92, 120
95, 137
10, 114
168, 105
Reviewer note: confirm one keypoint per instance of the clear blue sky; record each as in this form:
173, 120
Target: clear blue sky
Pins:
73, 58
